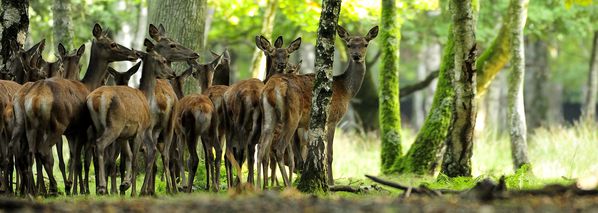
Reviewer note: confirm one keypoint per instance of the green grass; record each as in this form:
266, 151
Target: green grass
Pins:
558, 154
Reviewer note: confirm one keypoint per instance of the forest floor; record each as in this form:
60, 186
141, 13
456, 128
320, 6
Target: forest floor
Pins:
296, 202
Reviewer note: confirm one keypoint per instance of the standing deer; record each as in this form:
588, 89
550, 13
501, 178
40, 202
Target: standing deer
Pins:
198, 117
67, 63
162, 108
242, 105
56, 107
110, 109
286, 103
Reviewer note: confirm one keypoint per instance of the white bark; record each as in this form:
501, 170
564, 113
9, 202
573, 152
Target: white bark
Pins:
516, 108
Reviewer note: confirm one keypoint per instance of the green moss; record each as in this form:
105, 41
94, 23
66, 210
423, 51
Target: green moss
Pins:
424, 154
390, 114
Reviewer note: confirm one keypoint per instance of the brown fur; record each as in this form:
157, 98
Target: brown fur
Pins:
286, 105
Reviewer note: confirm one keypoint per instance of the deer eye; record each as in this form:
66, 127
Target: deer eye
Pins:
172, 45
113, 45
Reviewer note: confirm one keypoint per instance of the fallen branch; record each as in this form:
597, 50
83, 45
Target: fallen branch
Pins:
413, 190
342, 188
410, 89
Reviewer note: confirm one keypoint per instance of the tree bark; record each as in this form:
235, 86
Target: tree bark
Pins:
537, 83
14, 16
516, 113
459, 144
61, 14
426, 152
184, 22
589, 105
313, 178
390, 114
257, 62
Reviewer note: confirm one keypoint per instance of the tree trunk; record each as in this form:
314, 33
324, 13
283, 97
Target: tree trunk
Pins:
258, 60
14, 16
516, 113
184, 22
426, 152
589, 106
61, 14
313, 178
459, 144
537, 83
390, 114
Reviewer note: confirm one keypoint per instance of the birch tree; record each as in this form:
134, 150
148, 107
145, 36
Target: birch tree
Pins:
313, 178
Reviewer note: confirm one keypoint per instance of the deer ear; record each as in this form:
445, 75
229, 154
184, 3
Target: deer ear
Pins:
215, 55
278, 43
133, 69
154, 32
342, 32
147, 43
226, 54
113, 72
97, 30
162, 29
294, 45
81, 50
372, 33
263, 44
42, 45
61, 50
216, 61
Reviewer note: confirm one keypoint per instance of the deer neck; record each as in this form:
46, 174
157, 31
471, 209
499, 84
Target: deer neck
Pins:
222, 75
147, 83
269, 72
96, 70
350, 81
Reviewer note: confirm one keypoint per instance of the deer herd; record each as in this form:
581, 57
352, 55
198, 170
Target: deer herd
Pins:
263, 122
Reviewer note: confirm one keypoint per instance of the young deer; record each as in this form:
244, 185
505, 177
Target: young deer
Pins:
110, 109
56, 107
286, 103
242, 108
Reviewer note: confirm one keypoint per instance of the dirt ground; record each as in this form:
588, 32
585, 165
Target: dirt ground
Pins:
293, 202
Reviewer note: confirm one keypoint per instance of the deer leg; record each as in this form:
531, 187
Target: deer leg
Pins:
150, 149
88, 158
170, 185
193, 159
329, 148
108, 137
137, 142
273, 178
126, 159
48, 163
111, 154
279, 156
62, 166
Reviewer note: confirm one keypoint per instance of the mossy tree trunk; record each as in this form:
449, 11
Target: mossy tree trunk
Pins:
14, 18
184, 22
589, 105
61, 14
257, 62
459, 145
426, 152
516, 108
313, 178
390, 115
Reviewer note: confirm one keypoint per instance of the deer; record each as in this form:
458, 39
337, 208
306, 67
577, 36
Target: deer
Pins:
242, 108
166, 98
61, 102
36, 68
110, 110
198, 117
286, 104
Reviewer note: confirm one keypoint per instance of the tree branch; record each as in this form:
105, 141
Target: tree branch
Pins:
410, 89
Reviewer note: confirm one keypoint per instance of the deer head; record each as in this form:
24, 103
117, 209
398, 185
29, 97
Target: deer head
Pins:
170, 49
357, 45
124, 77
222, 72
156, 62
70, 62
279, 56
293, 68
205, 72
108, 49
24, 63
